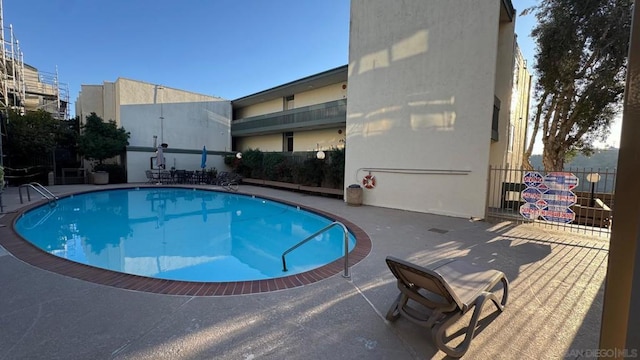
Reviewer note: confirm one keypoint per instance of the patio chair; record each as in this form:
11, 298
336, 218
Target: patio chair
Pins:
152, 177
165, 177
181, 176
446, 291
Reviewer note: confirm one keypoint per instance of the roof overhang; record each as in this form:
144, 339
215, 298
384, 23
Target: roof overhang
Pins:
322, 79
507, 11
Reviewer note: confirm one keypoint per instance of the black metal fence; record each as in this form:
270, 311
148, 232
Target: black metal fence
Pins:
578, 200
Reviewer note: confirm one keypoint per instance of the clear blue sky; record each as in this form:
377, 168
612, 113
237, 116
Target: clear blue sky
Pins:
226, 48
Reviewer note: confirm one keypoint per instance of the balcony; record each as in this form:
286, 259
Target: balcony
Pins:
325, 115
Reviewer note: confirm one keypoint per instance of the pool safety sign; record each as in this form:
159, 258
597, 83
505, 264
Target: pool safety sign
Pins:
549, 197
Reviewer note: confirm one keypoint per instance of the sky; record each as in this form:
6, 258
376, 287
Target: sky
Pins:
224, 48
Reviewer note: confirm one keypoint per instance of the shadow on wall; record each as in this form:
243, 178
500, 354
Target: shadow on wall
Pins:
427, 111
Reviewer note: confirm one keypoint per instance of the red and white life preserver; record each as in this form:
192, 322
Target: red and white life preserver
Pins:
369, 181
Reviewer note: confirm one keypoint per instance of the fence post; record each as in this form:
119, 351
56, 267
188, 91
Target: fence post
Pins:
486, 200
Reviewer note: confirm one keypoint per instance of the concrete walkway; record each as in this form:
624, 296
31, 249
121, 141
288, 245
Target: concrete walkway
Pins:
554, 309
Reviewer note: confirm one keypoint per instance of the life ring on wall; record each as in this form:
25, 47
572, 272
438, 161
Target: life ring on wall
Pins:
369, 181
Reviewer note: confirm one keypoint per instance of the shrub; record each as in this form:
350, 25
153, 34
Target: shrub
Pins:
251, 164
298, 173
233, 162
284, 172
334, 171
313, 172
270, 164
212, 173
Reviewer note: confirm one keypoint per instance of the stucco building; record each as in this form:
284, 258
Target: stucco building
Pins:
303, 115
429, 99
422, 108
156, 114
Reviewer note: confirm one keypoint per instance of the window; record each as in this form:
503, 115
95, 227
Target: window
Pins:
288, 102
287, 141
495, 123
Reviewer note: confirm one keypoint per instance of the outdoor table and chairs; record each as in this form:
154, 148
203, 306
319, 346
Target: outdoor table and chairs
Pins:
182, 176
177, 176
201, 177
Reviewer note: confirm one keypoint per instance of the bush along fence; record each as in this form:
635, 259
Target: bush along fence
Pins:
580, 199
299, 168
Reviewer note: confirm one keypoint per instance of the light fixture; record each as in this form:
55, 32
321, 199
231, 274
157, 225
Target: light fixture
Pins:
239, 155
593, 178
320, 154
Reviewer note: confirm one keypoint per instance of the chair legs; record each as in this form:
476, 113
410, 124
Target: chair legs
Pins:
394, 311
439, 332
439, 321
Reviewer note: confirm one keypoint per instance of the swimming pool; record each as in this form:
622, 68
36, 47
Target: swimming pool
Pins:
182, 234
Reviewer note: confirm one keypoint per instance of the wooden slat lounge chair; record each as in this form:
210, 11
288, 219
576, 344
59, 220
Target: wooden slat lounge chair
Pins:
447, 291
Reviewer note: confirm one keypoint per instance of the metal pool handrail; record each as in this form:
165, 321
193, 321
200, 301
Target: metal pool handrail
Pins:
346, 246
38, 188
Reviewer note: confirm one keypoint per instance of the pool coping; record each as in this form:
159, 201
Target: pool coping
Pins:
31, 254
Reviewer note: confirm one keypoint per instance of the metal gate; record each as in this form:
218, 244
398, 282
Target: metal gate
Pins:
576, 200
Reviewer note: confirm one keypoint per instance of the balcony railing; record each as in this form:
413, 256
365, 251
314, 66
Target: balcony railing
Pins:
324, 115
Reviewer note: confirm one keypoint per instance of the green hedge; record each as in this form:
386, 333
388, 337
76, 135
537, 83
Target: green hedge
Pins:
304, 170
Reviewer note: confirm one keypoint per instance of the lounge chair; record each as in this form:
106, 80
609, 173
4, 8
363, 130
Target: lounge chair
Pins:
447, 290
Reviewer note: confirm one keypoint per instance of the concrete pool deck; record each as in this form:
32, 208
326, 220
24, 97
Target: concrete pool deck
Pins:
554, 309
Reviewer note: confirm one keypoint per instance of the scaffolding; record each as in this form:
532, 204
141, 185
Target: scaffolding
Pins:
24, 88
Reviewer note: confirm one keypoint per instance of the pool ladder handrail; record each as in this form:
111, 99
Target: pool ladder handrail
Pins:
39, 189
346, 246
50, 212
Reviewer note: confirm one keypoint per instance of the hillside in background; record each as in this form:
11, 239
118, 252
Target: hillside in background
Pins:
603, 162
606, 159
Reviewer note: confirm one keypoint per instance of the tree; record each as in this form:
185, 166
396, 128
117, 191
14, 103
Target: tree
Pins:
101, 140
580, 66
67, 143
30, 137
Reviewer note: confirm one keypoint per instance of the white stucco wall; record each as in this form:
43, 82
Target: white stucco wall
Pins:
520, 102
90, 100
420, 96
513, 172
269, 142
266, 107
190, 121
503, 89
324, 139
138, 162
110, 103
184, 127
499, 154
321, 95
312, 97
140, 92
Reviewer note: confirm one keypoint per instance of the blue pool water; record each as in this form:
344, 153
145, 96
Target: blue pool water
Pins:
182, 234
